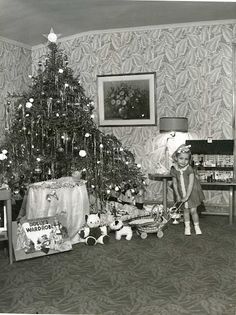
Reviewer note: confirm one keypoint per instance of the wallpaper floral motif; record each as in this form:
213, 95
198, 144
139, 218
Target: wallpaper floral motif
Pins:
193, 66
15, 66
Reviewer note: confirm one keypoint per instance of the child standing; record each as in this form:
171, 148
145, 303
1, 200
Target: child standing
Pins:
186, 187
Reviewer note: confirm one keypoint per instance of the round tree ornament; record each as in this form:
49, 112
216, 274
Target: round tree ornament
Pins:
82, 153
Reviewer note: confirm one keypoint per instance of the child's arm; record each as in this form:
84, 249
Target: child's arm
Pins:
190, 187
175, 183
175, 187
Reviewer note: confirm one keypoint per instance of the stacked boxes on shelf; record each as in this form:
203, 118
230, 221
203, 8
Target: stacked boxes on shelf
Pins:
214, 161
207, 160
215, 176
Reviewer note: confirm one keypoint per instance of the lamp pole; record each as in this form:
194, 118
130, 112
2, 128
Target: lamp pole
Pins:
167, 157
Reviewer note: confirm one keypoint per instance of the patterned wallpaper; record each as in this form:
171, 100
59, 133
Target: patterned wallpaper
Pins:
193, 65
15, 66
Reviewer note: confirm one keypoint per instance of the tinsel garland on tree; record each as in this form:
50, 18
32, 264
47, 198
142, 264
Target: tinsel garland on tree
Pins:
50, 133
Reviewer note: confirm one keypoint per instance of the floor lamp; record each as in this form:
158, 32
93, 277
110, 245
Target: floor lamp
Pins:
172, 125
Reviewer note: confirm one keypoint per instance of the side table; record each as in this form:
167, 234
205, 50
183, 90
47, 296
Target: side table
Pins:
164, 178
5, 195
231, 186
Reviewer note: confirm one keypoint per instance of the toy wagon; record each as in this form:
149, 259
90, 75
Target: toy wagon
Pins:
156, 221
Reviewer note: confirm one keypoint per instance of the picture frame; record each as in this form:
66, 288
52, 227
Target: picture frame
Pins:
3, 218
126, 99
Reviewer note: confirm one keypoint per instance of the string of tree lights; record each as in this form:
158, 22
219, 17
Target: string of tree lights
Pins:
51, 133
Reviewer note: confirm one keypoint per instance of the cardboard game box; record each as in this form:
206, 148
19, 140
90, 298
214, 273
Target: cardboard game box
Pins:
39, 237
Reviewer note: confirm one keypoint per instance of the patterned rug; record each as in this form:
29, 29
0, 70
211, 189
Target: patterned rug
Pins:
174, 275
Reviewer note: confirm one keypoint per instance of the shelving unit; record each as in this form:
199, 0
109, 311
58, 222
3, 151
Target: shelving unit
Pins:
214, 161
5, 195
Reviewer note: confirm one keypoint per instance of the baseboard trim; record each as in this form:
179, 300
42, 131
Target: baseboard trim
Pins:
215, 213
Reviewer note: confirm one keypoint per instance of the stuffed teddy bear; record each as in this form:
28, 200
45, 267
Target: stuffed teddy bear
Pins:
93, 233
121, 230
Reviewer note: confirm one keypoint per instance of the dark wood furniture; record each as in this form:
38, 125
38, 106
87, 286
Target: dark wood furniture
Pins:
164, 178
5, 195
217, 148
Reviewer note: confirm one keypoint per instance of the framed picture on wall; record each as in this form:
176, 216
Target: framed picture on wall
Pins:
126, 99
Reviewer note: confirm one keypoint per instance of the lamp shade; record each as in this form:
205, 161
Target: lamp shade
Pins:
168, 124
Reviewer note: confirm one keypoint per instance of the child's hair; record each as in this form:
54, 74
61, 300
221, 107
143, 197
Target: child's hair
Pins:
182, 149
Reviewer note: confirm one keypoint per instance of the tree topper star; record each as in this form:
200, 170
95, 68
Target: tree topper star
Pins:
52, 37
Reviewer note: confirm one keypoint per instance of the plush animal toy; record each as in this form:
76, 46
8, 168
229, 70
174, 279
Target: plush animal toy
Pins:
93, 233
121, 230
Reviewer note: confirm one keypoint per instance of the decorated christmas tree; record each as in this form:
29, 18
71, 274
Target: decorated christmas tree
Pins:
51, 133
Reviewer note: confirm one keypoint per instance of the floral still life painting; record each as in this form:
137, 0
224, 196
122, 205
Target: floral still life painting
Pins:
126, 99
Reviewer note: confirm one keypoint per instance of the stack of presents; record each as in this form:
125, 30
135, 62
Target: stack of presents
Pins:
59, 212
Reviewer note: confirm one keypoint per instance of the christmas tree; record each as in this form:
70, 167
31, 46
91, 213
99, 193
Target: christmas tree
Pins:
50, 133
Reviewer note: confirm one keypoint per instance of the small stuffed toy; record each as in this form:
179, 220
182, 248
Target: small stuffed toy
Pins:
121, 230
93, 233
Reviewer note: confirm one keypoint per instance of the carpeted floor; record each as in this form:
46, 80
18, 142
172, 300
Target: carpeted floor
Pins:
174, 275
